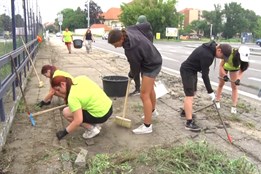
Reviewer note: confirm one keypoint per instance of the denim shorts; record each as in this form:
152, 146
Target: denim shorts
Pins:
152, 74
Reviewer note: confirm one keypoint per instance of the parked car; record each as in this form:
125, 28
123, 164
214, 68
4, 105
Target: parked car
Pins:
258, 42
105, 36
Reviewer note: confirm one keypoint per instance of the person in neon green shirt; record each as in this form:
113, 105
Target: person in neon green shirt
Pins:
237, 63
88, 104
67, 39
50, 71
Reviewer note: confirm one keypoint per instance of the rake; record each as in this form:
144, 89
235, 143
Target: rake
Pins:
228, 136
23, 95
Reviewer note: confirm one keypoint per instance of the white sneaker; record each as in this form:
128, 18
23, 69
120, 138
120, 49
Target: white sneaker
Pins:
91, 133
154, 114
233, 110
142, 129
218, 104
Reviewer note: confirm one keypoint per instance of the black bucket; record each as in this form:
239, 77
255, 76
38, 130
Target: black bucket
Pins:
77, 43
115, 86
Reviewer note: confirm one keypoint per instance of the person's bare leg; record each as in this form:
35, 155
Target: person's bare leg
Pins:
233, 77
188, 101
147, 97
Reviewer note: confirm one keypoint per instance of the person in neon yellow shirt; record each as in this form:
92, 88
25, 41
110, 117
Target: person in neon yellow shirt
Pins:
67, 39
50, 71
237, 63
88, 105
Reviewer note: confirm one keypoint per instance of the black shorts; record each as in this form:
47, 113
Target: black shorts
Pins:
88, 118
189, 80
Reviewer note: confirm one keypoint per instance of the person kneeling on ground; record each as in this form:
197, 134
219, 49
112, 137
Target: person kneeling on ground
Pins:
50, 71
88, 105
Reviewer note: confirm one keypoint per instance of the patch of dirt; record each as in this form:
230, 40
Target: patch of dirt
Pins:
36, 149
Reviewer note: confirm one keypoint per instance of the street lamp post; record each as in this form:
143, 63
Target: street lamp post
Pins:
88, 9
211, 25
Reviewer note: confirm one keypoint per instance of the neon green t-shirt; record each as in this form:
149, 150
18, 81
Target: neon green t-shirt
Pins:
67, 36
87, 95
229, 64
62, 73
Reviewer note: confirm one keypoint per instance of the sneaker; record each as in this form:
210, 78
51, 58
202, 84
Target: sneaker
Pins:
183, 115
218, 104
192, 127
142, 129
233, 110
91, 133
154, 114
135, 93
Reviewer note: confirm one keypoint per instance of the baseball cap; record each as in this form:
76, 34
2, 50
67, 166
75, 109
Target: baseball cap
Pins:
226, 50
244, 52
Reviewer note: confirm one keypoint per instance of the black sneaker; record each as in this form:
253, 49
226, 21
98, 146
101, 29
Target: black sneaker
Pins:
182, 114
135, 93
192, 127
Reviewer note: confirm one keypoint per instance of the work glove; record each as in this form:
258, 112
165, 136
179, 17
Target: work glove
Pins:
225, 78
212, 96
237, 82
42, 103
61, 134
130, 75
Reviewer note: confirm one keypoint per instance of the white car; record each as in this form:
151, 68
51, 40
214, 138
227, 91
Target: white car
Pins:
58, 34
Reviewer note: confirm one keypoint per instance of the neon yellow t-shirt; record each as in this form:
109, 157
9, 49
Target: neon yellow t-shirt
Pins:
67, 36
87, 95
62, 73
229, 64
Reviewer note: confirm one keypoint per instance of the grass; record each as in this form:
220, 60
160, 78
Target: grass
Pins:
193, 158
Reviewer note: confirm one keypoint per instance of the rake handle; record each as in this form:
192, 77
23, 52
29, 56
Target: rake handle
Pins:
228, 136
30, 59
48, 110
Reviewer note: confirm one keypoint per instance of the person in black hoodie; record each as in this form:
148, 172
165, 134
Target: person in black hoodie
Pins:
143, 58
199, 61
149, 34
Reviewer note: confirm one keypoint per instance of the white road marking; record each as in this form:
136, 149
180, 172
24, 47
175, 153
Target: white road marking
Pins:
255, 79
252, 69
174, 72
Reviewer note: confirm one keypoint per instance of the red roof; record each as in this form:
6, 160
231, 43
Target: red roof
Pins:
112, 14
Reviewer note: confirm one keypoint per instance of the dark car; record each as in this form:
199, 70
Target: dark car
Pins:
258, 42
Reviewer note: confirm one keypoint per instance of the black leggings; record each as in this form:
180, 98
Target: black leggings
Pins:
88, 118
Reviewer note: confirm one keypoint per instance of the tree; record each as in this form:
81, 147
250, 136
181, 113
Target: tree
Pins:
6, 23
236, 20
160, 13
95, 13
19, 21
214, 18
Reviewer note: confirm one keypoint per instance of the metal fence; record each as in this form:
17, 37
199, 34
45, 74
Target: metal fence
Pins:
20, 21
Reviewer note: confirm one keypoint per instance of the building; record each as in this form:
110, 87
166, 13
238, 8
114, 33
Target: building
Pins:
190, 15
111, 18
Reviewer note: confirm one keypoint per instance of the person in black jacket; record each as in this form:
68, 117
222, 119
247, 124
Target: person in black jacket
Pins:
149, 35
199, 61
143, 58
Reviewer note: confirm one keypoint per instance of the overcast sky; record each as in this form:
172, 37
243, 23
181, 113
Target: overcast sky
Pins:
50, 8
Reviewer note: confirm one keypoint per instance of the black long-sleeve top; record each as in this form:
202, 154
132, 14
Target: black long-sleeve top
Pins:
200, 60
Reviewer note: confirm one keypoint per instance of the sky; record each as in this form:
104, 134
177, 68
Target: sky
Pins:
50, 8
